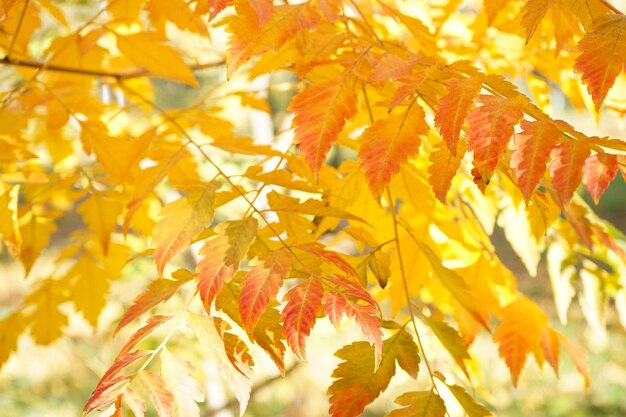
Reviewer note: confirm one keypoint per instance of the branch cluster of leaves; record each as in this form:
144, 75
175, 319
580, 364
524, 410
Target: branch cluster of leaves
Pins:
446, 148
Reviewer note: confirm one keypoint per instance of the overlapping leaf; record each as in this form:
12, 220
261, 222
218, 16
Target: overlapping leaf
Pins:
568, 159
388, 143
602, 56
530, 158
260, 285
598, 172
357, 382
298, 316
491, 128
181, 221
320, 113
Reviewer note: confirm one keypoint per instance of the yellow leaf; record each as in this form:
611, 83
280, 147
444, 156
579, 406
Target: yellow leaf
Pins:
47, 320
90, 288
181, 221
11, 327
100, 212
146, 50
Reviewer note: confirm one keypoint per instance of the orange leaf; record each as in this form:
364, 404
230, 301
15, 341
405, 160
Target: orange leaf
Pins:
334, 307
320, 113
519, 333
105, 393
443, 168
216, 6
602, 55
367, 315
568, 159
152, 323
598, 172
532, 14
260, 285
453, 108
550, 347
391, 67
388, 143
330, 8
158, 291
181, 221
157, 391
491, 127
530, 158
298, 316
250, 37
212, 271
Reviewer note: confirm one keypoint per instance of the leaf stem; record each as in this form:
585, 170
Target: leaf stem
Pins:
611, 7
406, 291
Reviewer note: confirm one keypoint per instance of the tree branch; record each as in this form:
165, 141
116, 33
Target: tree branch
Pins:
95, 73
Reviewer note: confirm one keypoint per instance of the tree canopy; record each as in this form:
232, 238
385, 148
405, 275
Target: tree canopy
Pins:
317, 160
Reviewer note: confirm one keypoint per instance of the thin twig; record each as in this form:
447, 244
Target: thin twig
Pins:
405, 284
97, 73
611, 7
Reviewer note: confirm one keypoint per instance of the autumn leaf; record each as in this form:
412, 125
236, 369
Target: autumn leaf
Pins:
180, 379
471, 407
602, 56
161, 397
260, 285
453, 109
210, 340
422, 403
298, 315
491, 127
147, 50
443, 168
530, 158
598, 172
388, 143
532, 14
320, 111
158, 291
181, 221
357, 382
212, 270
568, 159
519, 333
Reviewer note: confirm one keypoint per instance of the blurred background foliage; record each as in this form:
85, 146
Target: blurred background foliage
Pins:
56, 380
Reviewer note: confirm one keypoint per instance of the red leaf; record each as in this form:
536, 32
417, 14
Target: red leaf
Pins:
298, 316
603, 55
388, 143
598, 172
491, 127
260, 285
320, 113
568, 159
530, 158
453, 109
